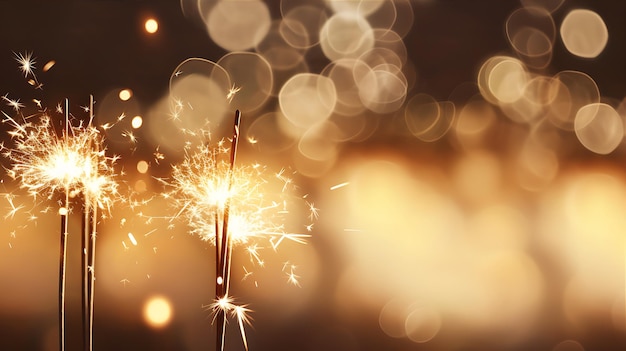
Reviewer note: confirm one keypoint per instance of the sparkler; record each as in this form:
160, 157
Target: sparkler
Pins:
73, 162
229, 205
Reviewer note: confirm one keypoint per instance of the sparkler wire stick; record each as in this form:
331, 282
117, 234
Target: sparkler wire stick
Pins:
226, 243
92, 269
86, 285
63, 259
84, 270
90, 255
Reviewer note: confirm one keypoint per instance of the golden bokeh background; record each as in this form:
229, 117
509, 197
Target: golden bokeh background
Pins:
465, 159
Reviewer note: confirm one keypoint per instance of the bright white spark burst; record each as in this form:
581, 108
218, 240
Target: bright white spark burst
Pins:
45, 160
240, 312
26, 62
259, 207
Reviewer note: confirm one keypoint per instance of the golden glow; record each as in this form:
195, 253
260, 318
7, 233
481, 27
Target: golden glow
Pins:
151, 25
157, 312
45, 162
584, 33
136, 122
142, 167
125, 94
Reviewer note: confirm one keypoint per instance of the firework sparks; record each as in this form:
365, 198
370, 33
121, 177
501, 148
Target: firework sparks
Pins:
71, 161
230, 205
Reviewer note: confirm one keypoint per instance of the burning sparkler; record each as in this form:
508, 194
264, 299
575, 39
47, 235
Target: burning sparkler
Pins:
70, 161
231, 205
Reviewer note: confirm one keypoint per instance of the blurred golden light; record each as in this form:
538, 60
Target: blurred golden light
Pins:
599, 128
584, 33
252, 79
125, 94
157, 312
140, 186
478, 177
136, 122
63, 211
238, 25
307, 99
151, 25
142, 166
531, 32
356, 38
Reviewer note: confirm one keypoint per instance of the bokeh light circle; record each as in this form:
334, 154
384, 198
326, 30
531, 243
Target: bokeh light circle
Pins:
584, 33
307, 99
238, 25
599, 128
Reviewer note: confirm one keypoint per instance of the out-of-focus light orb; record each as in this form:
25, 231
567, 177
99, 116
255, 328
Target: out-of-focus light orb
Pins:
157, 312
142, 166
307, 99
599, 128
136, 122
502, 79
151, 25
584, 33
346, 35
238, 25
568, 92
531, 32
507, 80
569, 345
63, 211
125, 94
140, 186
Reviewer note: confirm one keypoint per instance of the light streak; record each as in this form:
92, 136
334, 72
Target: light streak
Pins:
340, 185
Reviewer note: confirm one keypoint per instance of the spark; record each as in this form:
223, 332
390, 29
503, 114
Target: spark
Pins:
241, 313
231, 93
292, 278
257, 205
340, 185
15, 104
26, 62
132, 239
45, 160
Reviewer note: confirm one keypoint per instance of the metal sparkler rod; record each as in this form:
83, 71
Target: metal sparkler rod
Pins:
86, 284
63, 248
91, 246
224, 258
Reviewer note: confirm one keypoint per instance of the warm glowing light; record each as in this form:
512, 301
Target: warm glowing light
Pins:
125, 94
63, 211
136, 122
74, 161
157, 312
258, 203
142, 166
151, 26
584, 33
